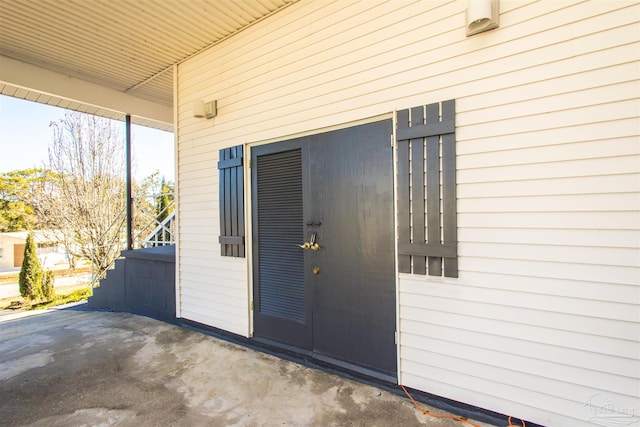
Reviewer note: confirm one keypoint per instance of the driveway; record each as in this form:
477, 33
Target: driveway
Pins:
75, 367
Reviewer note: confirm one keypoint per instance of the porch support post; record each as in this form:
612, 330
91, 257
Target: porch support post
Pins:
127, 123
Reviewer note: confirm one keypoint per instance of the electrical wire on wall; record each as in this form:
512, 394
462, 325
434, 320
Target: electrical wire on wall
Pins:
453, 417
513, 425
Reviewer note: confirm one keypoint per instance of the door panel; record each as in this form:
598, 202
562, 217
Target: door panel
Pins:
354, 292
338, 301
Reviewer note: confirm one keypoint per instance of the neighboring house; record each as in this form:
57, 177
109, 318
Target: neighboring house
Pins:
490, 256
50, 251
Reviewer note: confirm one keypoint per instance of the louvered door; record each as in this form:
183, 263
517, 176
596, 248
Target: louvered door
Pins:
281, 301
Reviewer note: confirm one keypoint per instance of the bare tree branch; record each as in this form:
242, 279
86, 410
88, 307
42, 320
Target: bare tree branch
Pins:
86, 201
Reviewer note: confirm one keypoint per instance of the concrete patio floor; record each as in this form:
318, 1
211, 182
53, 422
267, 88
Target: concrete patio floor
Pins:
85, 368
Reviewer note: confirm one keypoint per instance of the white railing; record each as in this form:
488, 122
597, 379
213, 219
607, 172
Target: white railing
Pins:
162, 231
162, 235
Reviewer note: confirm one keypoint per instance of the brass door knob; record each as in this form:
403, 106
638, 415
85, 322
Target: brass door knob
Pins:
312, 242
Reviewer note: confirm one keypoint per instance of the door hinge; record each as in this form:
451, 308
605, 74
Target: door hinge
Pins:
391, 138
251, 306
249, 163
395, 337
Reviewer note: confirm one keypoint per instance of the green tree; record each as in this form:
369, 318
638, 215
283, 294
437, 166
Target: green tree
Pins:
31, 274
164, 201
16, 216
20, 197
164, 207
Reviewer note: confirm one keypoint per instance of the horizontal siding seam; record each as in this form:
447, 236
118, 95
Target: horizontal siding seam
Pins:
560, 195
521, 372
542, 415
631, 209
633, 178
630, 114
516, 372
212, 294
200, 286
510, 353
511, 71
545, 261
498, 305
562, 144
571, 296
459, 386
627, 131
548, 351
525, 276
560, 93
623, 201
557, 102
225, 322
546, 244
564, 6
425, 383
215, 310
203, 278
505, 396
541, 178
558, 292
632, 261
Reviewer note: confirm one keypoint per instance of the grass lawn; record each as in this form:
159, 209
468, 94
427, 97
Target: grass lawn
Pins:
71, 295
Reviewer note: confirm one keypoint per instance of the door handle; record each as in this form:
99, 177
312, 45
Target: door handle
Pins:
311, 244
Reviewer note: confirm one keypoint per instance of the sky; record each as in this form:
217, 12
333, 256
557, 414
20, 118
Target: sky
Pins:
25, 136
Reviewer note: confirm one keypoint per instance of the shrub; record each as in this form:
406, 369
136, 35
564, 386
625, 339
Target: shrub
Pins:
48, 292
35, 284
31, 274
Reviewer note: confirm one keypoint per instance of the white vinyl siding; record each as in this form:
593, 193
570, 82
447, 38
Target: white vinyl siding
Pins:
545, 312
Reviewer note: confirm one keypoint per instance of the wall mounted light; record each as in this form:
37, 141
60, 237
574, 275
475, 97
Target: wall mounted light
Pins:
482, 15
203, 109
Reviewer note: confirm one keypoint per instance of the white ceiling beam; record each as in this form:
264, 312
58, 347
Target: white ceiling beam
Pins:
31, 77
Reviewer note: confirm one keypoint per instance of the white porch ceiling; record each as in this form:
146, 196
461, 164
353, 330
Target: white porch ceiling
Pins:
112, 57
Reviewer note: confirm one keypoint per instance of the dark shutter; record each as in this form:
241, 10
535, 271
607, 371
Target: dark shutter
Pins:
427, 224
231, 196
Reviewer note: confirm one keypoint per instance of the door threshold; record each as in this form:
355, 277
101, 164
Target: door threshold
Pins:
327, 363
380, 376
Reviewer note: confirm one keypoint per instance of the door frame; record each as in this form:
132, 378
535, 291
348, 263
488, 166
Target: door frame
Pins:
248, 194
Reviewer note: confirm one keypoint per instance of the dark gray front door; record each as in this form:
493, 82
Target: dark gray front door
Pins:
338, 301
